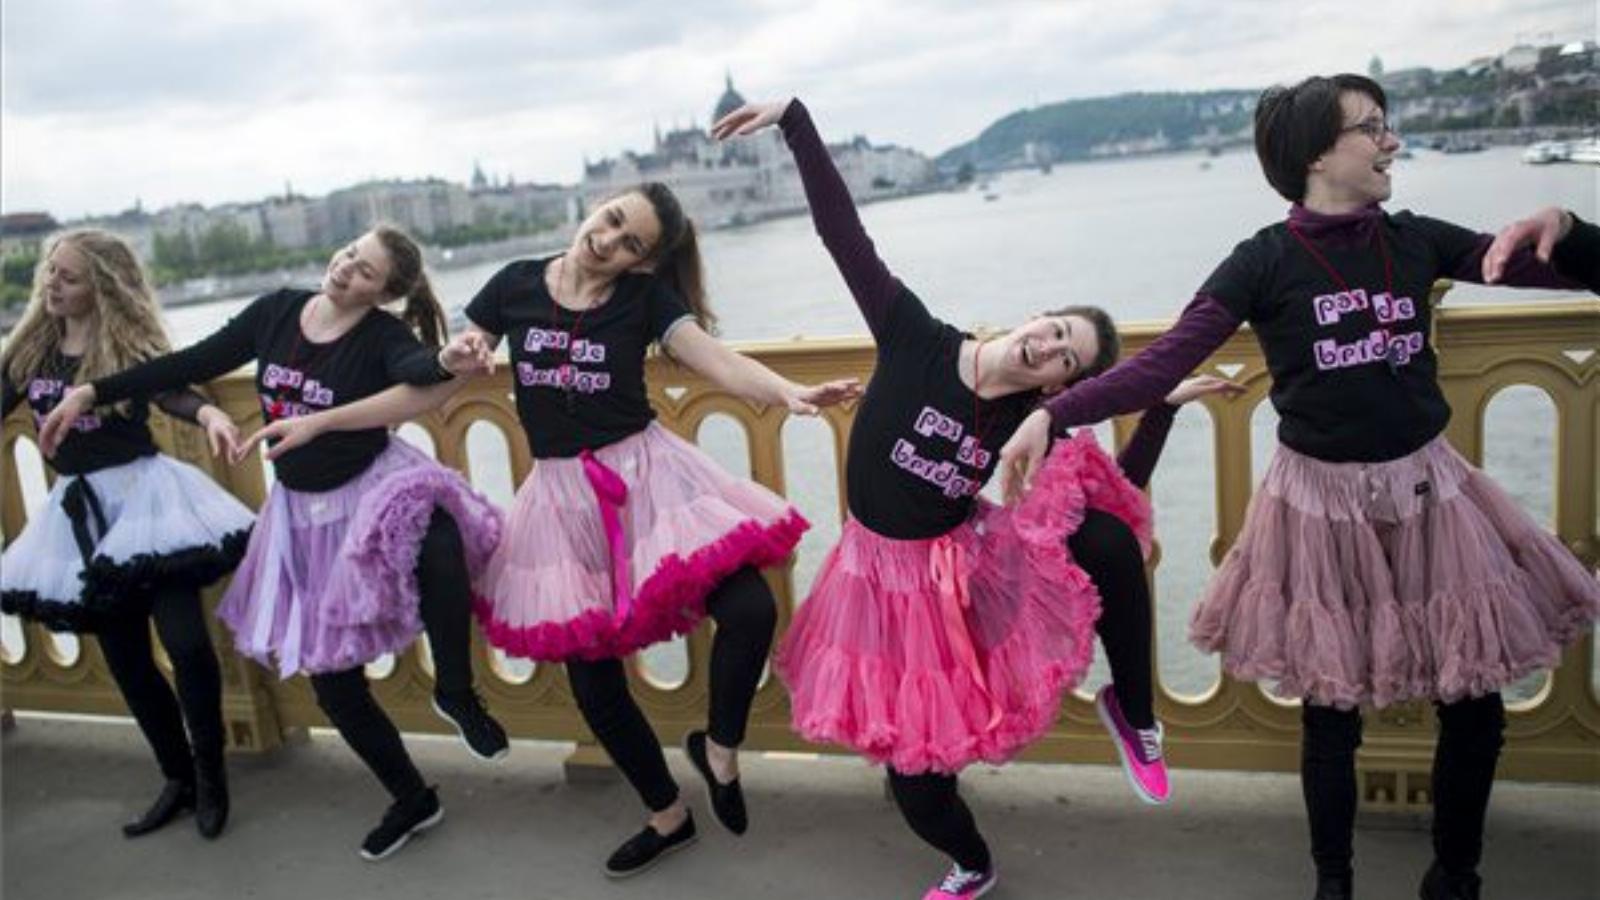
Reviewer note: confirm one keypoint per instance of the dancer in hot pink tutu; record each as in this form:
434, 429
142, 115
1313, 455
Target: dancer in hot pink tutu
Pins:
943, 630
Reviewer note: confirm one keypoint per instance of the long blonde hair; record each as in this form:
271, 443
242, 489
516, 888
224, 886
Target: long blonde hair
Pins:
125, 323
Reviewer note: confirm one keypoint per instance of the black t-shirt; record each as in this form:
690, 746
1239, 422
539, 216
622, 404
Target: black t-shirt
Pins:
923, 445
579, 375
1354, 376
295, 376
101, 439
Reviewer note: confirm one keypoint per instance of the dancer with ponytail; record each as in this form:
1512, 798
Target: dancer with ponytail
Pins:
364, 542
624, 534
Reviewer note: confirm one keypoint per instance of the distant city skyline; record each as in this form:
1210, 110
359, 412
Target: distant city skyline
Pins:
188, 101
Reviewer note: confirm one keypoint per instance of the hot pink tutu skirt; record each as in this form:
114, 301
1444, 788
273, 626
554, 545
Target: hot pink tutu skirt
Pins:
554, 590
1378, 583
935, 653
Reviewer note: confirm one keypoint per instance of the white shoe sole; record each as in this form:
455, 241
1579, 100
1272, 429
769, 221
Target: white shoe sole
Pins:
504, 752
1122, 756
419, 828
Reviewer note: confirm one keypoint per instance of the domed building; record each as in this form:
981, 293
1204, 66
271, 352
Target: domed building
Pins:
751, 178
730, 100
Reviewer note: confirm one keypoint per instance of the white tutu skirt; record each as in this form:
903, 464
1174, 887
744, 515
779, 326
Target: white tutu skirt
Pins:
103, 543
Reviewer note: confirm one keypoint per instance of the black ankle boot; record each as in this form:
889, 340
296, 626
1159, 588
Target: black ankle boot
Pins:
176, 797
211, 797
1438, 884
1334, 887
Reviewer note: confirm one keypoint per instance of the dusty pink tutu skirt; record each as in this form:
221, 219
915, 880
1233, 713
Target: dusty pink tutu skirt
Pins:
615, 551
935, 653
1378, 583
329, 579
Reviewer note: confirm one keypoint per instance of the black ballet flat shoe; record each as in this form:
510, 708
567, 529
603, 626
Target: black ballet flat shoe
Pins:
176, 797
1333, 887
1438, 884
646, 848
727, 800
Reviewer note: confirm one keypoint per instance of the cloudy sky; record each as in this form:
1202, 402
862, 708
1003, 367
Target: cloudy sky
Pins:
198, 100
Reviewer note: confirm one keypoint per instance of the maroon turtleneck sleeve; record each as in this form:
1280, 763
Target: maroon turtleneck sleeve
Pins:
833, 214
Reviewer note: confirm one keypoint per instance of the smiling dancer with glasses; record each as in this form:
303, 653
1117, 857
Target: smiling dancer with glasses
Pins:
1375, 565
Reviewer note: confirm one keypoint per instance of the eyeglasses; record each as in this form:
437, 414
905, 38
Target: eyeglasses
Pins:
1377, 129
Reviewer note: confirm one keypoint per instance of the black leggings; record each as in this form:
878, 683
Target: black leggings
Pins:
346, 698
932, 806
446, 603
746, 614
125, 642
1105, 547
1471, 733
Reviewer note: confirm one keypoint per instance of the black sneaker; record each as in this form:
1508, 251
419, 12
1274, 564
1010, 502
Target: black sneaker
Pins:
646, 848
479, 731
404, 818
727, 800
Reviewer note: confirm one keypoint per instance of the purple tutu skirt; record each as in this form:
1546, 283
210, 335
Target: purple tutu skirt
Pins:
1379, 583
329, 580
615, 550
932, 654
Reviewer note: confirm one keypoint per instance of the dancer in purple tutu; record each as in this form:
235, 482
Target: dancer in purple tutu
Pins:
127, 534
943, 630
1375, 565
623, 534
363, 542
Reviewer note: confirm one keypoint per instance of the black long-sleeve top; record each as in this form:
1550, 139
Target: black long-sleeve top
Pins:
295, 376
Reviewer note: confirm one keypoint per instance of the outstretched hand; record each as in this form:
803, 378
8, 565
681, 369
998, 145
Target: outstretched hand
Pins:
467, 353
1199, 386
221, 433
74, 403
285, 435
748, 119
1542, 229
809, 399
1022, 454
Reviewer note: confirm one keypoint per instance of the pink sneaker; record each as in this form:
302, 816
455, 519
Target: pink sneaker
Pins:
960, 884
1140, 749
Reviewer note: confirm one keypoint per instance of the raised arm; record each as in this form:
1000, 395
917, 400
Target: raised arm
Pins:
228, 348
1138, 459
1135, 384
1463, 254
741, 375
1553, 235
417, 392
833, 212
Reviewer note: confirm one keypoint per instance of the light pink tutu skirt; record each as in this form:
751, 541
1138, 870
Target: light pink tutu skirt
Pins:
617, 549
1378, 583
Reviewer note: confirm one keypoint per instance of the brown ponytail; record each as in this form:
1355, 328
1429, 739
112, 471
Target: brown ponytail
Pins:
407, 279
677, 252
